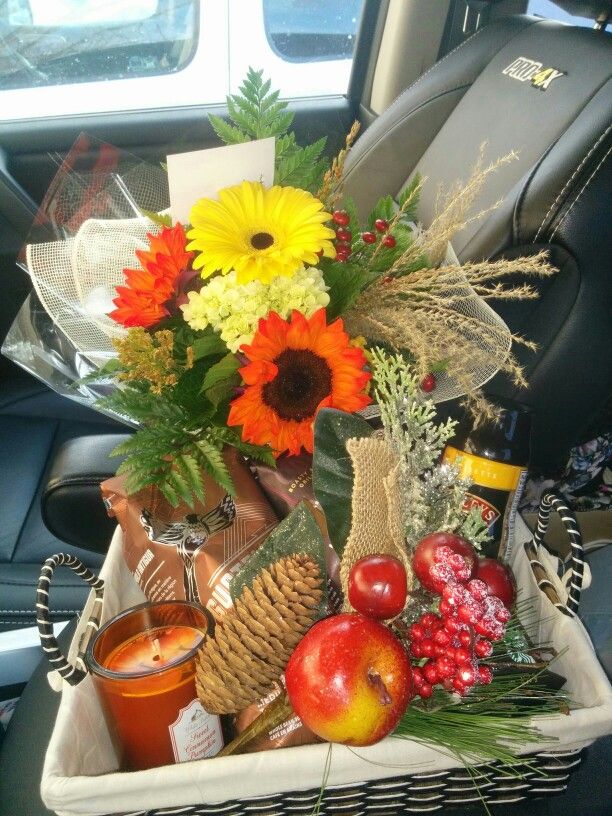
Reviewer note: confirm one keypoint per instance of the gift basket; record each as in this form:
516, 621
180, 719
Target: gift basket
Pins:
295, 615
393, 776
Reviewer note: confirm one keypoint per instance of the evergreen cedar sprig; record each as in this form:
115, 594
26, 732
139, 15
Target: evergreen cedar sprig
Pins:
432, 494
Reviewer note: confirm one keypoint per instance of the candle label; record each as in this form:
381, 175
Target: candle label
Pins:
195, 734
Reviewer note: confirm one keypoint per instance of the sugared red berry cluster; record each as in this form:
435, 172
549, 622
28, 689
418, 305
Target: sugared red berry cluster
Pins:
344, 236
470, 620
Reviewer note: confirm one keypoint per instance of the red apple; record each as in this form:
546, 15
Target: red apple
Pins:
425, 552
349, 680
498, 578
377, 586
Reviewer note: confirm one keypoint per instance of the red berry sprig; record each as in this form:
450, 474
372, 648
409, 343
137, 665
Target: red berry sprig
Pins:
343, 235
386, 239
468, 622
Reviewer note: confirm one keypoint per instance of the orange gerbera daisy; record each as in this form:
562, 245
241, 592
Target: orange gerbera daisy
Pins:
296, 367
143, 301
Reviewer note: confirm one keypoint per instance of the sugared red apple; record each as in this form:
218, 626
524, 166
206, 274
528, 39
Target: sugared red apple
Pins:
498, 578
349, 680
425, 557
377, 586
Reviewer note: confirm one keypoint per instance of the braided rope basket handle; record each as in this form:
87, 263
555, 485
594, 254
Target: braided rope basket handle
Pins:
72, 673
553, 501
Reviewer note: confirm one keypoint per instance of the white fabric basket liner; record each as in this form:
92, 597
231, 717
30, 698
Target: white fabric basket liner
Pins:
80, 772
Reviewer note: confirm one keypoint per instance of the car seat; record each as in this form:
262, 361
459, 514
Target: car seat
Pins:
543, 89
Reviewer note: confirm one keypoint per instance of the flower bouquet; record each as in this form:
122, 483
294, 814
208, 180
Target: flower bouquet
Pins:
234, 329
261, 320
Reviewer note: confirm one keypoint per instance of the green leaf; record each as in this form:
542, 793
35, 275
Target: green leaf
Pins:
190, 469
302, 167
385, 208
440, 366
187, 393
225, 131
411, 212
207, 346
163, 219
169, 493
255, 112
332, 471
297, 533
211, 458
104, 373
221, 379
180, 485
345, 282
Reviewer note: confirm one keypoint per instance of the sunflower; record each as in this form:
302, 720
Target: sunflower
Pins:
143, 301
295, 367
259, 232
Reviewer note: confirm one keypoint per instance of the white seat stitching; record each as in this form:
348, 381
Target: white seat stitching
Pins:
569, 181
586, 184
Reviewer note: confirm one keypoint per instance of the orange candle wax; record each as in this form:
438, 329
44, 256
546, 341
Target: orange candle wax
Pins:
143, 665
154, 649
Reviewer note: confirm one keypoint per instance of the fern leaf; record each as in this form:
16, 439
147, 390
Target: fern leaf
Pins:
192, 473
212, 460
226, 132
169, 493
302, 166
178, 482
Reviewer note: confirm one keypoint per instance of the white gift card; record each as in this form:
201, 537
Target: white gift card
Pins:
202, 173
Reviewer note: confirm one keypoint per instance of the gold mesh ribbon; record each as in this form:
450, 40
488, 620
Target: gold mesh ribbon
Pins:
376, 527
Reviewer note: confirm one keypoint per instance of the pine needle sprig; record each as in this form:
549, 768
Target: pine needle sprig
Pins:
493, 722
470, 737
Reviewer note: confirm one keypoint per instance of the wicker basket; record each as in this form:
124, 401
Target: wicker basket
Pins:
392, 777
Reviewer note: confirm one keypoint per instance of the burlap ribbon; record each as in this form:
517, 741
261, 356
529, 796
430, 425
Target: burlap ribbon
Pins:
376, 526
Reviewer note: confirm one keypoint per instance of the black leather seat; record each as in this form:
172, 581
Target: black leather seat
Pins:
557, 195
34, 423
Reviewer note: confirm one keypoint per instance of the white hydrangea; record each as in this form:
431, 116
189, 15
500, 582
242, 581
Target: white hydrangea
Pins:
234, 310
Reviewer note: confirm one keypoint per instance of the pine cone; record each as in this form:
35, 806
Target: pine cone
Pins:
254, 640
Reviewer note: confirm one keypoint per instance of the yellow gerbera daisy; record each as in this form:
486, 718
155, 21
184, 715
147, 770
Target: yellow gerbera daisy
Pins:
259, 232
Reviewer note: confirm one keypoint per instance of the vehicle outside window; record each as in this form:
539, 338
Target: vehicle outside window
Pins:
56, 42
77, 57
313, 30
546, 8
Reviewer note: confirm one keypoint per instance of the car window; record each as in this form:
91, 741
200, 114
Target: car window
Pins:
546, 8
311, 31
78, 57
57, 42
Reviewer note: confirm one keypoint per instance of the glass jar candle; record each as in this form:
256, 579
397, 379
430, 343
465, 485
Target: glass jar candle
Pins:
143, 666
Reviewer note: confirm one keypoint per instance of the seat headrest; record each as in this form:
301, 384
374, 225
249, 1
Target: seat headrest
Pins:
594, 9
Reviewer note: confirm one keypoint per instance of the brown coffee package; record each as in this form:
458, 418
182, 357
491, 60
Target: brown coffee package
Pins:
285, 487
184, 553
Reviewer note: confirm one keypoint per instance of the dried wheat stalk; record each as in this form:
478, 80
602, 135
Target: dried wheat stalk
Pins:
431, 310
